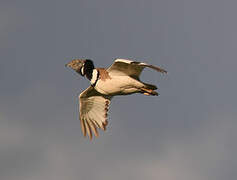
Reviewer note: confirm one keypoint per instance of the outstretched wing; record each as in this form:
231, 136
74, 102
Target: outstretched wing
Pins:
93, 111
130, 68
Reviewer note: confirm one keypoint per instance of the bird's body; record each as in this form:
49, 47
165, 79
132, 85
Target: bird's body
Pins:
118, 85
122, 78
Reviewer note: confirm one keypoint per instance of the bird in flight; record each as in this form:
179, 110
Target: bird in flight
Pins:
121, 78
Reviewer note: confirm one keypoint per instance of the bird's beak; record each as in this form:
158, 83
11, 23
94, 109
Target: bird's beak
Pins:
68, 64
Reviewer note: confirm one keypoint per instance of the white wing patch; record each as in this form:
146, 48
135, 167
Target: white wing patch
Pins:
93, 112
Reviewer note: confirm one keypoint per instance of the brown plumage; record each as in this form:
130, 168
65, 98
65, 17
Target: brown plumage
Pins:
103, 74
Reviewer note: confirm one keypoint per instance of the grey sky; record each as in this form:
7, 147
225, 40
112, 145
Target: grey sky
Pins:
189, 132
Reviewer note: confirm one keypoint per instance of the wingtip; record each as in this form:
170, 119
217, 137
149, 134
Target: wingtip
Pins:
94, 129
83, 128
163, 71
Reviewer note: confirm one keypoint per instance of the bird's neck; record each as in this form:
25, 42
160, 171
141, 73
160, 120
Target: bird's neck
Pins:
91, 74
94, 77
87, 69
88, 73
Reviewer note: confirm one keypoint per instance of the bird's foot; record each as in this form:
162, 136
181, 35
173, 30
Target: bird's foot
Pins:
149, 92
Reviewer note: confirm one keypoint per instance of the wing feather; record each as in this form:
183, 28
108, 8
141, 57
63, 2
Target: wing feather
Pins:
99, 118
93, 111
130, 68
83, 127
93, 127
88, 128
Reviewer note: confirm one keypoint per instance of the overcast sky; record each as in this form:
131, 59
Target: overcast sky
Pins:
189, 132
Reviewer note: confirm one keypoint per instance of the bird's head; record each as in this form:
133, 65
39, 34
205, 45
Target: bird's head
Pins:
81, 66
